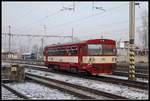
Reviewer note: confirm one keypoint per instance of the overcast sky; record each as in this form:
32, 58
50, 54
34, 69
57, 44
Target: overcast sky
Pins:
88, 23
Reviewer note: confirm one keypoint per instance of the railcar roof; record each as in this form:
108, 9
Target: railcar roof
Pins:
74, 43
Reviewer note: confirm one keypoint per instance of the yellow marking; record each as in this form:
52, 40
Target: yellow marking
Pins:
133, 72
132, 58
133, 67
133, 76
132, 53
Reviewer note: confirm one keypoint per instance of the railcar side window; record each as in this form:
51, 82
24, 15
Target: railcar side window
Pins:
50, 51
61, 51
57, 51
72, 51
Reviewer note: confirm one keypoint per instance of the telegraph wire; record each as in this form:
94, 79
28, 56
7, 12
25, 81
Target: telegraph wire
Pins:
37, 21
84, 18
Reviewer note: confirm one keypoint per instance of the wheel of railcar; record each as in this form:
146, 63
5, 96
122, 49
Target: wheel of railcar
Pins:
84, 73
56, 67
73, 69
50, 66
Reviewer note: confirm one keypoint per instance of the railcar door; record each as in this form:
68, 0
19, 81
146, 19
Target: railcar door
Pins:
82, 52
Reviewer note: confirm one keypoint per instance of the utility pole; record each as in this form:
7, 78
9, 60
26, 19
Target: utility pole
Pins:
72, 34
42, 41
73, 6
42, 46
131, 40
9, 34
92, 5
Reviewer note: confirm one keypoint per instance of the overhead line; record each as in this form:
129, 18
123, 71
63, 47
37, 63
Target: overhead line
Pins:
67, 23
120, 30
80, 18
37, 21
85, 17
25, 14
35, 35
74, 20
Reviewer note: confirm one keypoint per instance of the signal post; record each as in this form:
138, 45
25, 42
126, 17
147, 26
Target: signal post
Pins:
131, 40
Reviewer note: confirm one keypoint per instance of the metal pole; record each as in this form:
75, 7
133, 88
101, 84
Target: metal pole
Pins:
42, 43
9, 34
73, 6
131, 40
92, 6
42, 47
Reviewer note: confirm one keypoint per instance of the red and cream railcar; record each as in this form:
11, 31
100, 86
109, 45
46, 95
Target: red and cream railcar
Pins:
97, 56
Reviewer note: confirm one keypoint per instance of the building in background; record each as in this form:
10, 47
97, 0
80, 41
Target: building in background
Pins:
7, 55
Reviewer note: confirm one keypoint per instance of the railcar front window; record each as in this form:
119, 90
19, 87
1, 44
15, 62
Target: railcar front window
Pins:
97, 49
94, 49
109, 50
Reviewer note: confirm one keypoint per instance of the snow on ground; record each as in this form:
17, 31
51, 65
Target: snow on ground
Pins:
7, 95
129, 92
37, 91
121, 77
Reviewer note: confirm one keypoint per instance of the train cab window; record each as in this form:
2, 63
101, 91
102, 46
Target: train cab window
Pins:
109, 50
94, 49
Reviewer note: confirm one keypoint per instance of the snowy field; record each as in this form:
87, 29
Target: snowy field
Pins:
37, 91
129, 92
7, 95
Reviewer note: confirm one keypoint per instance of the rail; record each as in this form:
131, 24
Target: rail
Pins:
15, 92
84, 92
137, 84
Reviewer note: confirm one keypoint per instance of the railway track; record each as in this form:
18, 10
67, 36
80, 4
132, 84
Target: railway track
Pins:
124, 73
19, 94
135, 84
77, 90
122, 69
